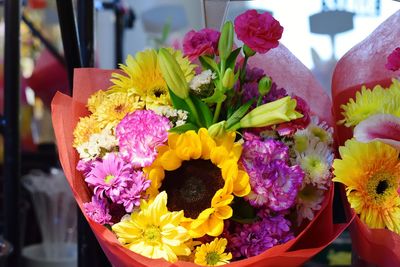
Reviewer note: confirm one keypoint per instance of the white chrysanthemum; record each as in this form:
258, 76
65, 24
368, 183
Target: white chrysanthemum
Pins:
308, 202
316, 162
201, 79
177, 117
97, 145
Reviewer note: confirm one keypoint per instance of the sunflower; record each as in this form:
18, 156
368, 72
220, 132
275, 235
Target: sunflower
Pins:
371, 173
213, 253
141, 76
200, 176
113, 108
86, 127
370, 102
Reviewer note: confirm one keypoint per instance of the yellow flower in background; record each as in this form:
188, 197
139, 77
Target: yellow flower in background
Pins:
200, 176
213, 253
141, 76
95, 100
154, 232
84, 129
371, 174
370, 102
114, 107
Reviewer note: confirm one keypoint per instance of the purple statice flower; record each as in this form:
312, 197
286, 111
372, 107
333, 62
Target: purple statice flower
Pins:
250, 240
138, 134
109, 176
97, 210
274, 183
131, 195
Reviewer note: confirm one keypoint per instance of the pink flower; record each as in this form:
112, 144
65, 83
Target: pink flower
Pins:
97, 210
139, 134
109, 176
260, 32
289, 128
203, 42
393, 60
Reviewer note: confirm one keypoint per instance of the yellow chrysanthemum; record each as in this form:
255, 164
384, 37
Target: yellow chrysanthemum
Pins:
371, 173
370, 102
114, 107
84, 129
95, 100
154, 232
200, 177
142, 77
213, 253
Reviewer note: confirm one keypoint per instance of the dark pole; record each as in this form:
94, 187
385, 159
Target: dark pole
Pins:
12, 148
86, 31
119, 32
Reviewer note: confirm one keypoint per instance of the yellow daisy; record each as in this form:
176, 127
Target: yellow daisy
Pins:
114, 107
212, 254
370, 102
84, 129
200, 176
95, 100
141, 76
371, 174
154, 232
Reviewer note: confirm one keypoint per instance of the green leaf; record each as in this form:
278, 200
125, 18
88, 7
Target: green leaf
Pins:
203, 110
238, 114
184, 128
209, 63
231, 60
179, 103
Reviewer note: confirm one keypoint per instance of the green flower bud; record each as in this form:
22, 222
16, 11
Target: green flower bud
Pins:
226, 40
228, 81
264, 85
173, 74
282, 110
217, 130
248, 52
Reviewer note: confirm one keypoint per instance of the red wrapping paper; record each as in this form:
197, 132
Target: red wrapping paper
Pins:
316, 236
364, 64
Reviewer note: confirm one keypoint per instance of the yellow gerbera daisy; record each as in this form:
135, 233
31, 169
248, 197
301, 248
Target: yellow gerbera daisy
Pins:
212, 254
200, 176
84, 129
114, 107
371, 173
370, 102
142, 77
154, 232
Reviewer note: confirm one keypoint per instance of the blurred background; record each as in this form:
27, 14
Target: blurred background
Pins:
318, 32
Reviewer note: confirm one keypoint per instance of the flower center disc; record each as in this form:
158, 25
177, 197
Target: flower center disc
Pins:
192, 187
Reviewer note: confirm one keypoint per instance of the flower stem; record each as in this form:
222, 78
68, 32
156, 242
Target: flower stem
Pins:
217, 111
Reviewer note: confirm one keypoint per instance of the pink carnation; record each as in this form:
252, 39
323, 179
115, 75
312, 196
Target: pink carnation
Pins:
203, 42
139, 133
393, 60
260, 32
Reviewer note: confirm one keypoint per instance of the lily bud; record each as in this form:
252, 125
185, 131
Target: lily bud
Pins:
173, 74
225, 42
217, 130
264, 85
228, 81
282, 110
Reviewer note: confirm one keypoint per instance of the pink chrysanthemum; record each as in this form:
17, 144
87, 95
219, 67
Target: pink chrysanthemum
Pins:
84, 166
136, 186
273, 181
97, 210
109, 176
139, 133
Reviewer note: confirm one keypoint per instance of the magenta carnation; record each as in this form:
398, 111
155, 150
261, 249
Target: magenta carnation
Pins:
108, 177
289, 128
136, 186
273, 181
393, 60
260, 32
139, 133
97, 210
203, 42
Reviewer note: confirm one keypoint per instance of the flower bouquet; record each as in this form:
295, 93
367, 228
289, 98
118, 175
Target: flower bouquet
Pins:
367, 105
200, 158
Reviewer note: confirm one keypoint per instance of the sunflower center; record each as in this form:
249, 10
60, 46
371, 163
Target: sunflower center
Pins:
108, 178
192, 187
152, 234
212, 258
381, 185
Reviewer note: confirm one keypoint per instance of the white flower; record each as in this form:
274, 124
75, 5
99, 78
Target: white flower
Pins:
308, 202
201, 79
177, 117
98, 143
